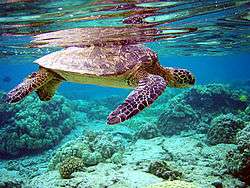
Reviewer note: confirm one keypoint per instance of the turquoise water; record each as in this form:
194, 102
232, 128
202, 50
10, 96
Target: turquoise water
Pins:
189, 137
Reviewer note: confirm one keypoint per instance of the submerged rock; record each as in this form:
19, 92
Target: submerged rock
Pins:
223, 129
32, 125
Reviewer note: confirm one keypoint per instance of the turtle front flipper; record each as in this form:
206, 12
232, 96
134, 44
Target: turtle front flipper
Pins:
47, 91
29, 84
148, 90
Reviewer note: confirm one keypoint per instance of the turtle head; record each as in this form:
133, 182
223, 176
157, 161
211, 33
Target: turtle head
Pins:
179, 78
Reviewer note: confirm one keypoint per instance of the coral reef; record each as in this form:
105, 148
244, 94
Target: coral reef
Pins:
93, 148
139, 152
199, 163
162, 169
238, 160
32, 126
197, 106
177, 117
215, 98
69, 166
173, 184
223, 129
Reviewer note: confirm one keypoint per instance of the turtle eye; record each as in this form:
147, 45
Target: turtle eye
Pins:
192, 80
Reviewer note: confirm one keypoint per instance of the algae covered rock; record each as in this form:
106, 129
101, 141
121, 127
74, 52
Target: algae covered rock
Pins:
69, 166
223, 129
163, 170
32, 125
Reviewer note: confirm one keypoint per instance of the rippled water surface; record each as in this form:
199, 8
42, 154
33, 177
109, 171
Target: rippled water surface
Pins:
190, 27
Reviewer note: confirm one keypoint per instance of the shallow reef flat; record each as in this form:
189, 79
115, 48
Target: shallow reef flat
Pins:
196, 138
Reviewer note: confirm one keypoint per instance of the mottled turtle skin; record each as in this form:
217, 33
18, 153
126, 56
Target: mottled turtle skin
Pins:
121, 66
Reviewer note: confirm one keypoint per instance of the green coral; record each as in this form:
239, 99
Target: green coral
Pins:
243, 98
32, 125
69, 166
162, 169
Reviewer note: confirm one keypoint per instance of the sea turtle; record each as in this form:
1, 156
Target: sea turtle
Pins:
121, 66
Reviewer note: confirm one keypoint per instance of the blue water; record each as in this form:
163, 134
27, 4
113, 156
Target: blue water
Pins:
197, 135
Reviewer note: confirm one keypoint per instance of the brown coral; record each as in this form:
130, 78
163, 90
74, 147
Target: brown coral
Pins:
70, 165
162, 169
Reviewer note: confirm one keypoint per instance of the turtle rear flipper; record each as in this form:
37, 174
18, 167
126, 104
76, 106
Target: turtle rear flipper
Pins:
29, 84
148, 90
47, 91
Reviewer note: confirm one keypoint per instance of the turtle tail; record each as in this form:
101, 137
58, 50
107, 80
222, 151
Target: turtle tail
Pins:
29, 84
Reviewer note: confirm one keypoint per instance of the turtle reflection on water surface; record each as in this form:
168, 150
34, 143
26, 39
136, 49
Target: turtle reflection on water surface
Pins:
120, 66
